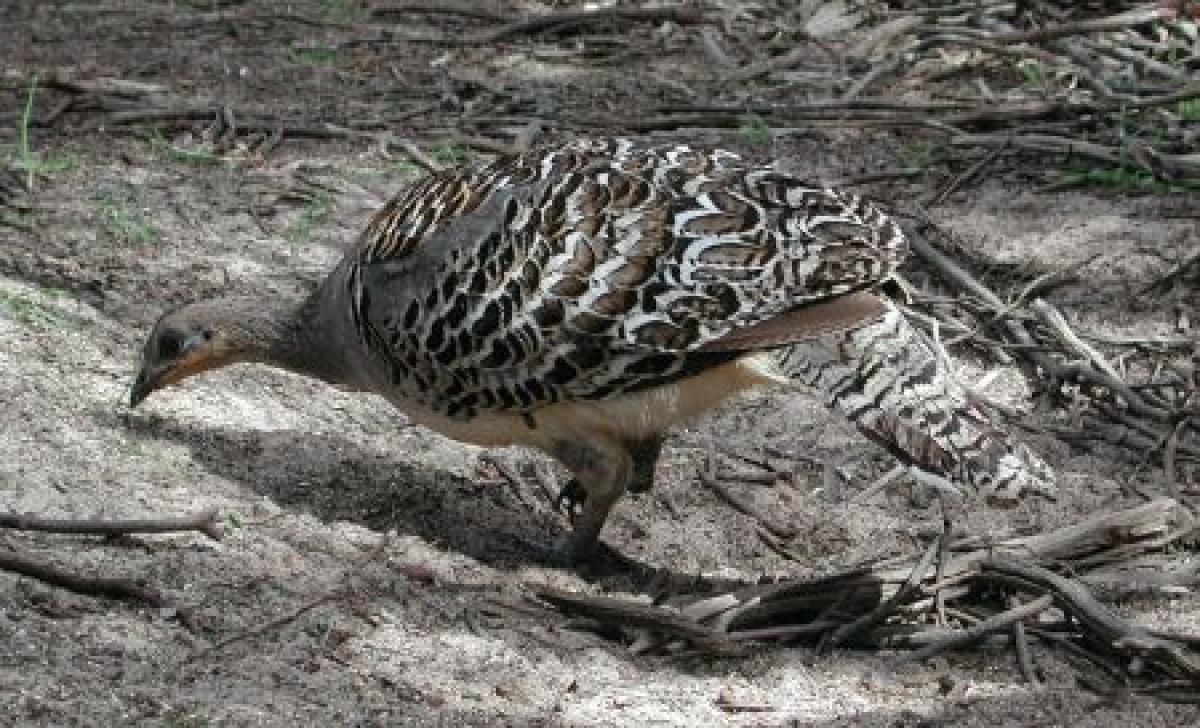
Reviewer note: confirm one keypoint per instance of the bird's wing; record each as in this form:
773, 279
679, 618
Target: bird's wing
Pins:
597, 268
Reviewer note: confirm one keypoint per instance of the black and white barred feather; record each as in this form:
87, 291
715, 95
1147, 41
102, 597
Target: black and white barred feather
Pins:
600, 269
885, 377
597, 268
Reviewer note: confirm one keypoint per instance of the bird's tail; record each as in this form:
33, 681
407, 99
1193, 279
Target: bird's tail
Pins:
886, 378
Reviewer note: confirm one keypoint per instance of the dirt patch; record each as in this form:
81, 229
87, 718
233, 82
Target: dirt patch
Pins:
361, 550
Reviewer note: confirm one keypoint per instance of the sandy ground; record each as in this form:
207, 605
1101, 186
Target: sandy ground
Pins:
353, 586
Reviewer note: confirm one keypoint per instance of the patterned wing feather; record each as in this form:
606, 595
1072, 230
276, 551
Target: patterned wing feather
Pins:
886, 379
596, 268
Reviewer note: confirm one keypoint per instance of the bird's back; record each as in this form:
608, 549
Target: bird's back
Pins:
596, 269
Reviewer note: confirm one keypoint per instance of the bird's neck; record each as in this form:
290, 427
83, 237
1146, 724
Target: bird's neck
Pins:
284, 333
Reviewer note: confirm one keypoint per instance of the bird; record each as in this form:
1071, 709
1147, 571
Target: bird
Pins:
584, 299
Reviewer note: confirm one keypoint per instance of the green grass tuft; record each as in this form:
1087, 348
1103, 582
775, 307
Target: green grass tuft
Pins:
313, 215
341, 10
1189, 109
124, 224
312, 55
31, 162
186, 720
407, 168
163, 147
1126, 180
28, 158
919, 154
1032, 73
450, 153
18, 219
754, 129
31, 312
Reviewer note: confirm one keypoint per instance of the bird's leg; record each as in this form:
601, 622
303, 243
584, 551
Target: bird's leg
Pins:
570, 499
572, 496
603, 470
645, 457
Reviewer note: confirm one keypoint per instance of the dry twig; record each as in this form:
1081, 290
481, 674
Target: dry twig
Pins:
709, 479
205, 522
882, 606
87, 585
547, 21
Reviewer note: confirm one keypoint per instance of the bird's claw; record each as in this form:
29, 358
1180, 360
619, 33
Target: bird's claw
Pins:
571, 499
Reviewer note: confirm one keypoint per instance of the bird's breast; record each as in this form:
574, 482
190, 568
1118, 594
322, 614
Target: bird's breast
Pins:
627, 417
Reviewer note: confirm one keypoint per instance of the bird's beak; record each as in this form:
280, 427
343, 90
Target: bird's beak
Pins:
199, 356
142, 387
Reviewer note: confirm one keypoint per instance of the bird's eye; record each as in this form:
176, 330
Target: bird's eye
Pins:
170, 345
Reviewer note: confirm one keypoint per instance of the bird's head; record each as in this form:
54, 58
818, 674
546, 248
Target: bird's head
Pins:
184, 342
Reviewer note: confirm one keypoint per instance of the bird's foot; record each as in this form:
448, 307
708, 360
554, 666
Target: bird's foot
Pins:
567, 553
574, 550
597, 562
571, 499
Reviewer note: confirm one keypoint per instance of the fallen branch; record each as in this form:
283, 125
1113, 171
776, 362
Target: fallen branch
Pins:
1098, 622
708, 478
205, 522
885, 607
988, 592
546, 21
87, 585
774, 63
1065, 361
633, 614
272, 624
976, 632
1121, 21
436, 8
1161, 165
